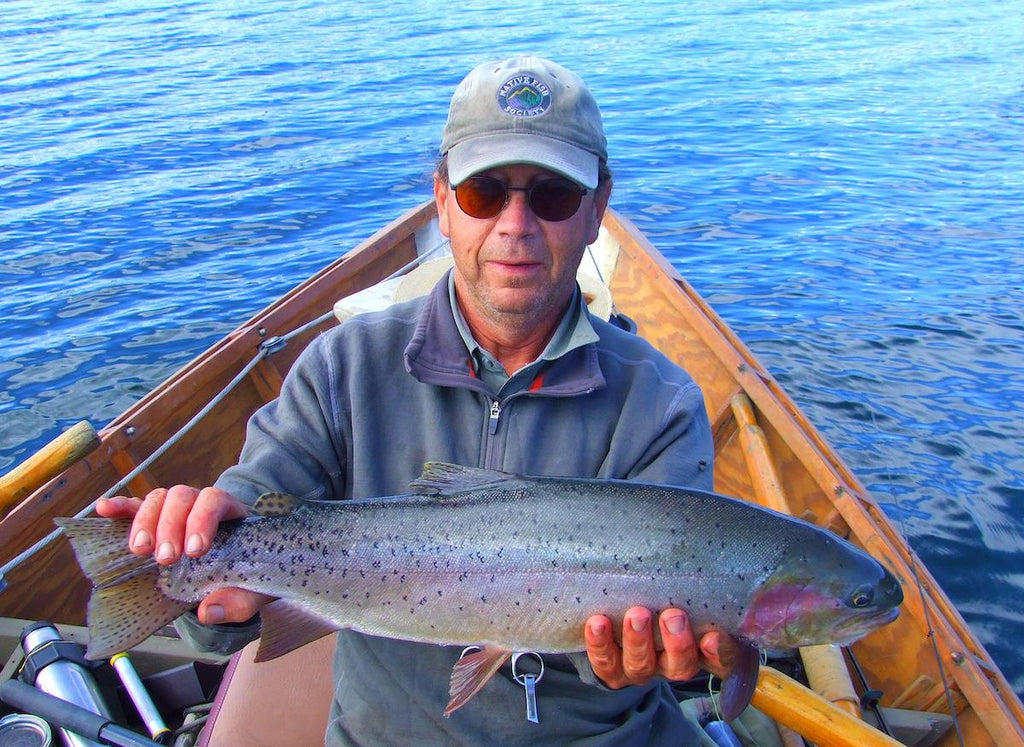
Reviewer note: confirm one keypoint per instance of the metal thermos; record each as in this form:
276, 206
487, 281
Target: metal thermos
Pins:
57, 667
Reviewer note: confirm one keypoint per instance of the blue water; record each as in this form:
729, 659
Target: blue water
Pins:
841, 179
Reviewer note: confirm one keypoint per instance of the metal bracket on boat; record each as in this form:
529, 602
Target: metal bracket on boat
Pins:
273, 345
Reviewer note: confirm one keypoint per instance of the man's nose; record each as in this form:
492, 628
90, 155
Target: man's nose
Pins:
518, 216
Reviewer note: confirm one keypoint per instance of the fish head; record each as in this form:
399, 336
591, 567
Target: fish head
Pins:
835, 593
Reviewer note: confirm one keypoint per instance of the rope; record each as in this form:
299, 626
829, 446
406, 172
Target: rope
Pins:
266, 348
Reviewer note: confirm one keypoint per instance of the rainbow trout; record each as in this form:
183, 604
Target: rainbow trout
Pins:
475, 557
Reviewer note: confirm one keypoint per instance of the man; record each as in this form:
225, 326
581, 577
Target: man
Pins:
502, 367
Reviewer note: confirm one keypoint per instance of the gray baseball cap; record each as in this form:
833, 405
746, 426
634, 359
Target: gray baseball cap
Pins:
524, 110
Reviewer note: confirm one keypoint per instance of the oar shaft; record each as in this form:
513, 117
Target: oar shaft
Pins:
47, 463
811, 716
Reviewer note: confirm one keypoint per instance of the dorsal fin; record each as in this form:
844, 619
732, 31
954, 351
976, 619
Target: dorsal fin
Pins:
443, 478
276, 504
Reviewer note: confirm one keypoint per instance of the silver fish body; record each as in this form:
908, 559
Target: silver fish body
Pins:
480, 557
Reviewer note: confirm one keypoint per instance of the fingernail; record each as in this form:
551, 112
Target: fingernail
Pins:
214, 614
675, 624
142, 540
195, 544
709, 645
639, 624
597, 627
166, 551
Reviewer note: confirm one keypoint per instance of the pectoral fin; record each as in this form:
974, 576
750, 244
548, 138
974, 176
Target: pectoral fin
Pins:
471, 673
738, 687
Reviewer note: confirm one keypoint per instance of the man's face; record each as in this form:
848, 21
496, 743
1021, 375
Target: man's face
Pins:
514, 268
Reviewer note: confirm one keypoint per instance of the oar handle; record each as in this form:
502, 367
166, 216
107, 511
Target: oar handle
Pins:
810, 715
47, 463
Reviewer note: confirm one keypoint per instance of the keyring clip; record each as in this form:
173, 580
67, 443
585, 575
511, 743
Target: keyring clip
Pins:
521, 678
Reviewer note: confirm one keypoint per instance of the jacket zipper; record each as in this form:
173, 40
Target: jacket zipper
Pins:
492, 426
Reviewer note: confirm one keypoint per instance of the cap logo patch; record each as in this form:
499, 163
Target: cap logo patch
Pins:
524, 96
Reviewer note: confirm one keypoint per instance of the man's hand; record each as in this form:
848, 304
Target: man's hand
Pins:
637, 661
179, 520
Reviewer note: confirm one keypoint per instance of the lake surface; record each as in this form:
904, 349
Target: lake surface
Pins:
842, 180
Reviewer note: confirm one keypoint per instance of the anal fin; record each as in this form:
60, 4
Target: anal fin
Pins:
471, 673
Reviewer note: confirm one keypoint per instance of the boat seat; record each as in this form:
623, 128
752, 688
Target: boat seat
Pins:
285, 701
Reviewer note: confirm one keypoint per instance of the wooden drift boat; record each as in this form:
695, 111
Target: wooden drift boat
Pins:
927, 662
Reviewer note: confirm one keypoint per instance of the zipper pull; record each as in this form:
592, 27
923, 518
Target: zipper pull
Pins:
495, 414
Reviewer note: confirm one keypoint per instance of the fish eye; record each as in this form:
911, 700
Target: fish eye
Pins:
862, 597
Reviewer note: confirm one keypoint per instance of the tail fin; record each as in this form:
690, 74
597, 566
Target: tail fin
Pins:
127, 604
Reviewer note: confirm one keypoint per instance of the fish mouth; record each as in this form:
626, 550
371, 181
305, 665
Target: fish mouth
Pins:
858, 627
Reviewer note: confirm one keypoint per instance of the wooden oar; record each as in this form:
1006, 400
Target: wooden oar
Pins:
810, 715
47, 463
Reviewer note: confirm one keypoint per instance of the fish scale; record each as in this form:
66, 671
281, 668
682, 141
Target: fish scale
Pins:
479, 557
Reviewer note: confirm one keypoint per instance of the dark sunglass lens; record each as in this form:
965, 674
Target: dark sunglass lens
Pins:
556, 199
481, 196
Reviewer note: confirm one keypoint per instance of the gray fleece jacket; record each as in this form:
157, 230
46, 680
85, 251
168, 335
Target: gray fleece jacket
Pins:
367, 403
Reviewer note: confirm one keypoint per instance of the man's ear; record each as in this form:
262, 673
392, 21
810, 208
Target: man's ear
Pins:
442, 193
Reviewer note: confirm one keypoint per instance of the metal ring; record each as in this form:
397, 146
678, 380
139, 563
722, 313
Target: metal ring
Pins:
521, 678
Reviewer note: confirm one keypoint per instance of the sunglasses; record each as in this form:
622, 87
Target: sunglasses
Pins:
550, 200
